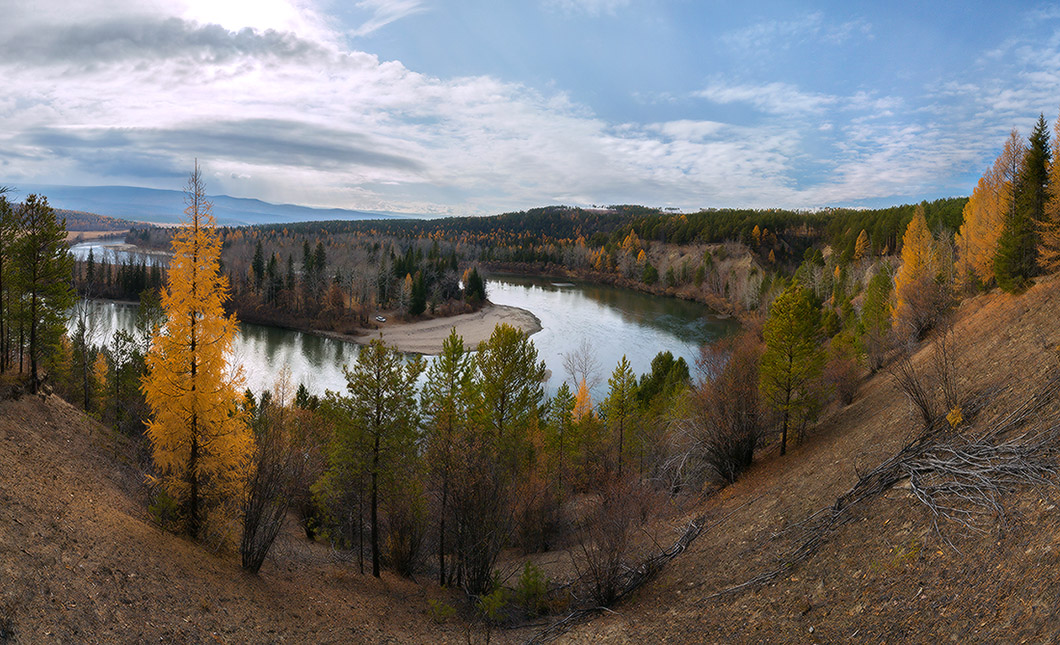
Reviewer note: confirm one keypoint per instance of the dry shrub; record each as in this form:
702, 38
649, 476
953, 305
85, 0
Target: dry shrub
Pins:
926, 299
277, 468
718, 441
538, 516
603, 554
841, 372
932, 391
482, 519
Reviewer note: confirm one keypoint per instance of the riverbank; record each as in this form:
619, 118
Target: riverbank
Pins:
427, 336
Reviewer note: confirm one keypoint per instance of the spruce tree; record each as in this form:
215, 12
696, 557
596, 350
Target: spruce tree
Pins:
1016, 260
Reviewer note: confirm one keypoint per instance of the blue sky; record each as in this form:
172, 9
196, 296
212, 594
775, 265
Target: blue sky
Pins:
479, 107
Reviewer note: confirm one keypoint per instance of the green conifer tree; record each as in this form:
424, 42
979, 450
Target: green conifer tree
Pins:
793, 359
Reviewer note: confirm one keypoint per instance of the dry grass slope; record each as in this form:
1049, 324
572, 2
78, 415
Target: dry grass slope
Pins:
80, 562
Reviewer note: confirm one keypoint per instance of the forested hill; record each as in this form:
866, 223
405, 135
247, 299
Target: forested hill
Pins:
598, 227
82, 221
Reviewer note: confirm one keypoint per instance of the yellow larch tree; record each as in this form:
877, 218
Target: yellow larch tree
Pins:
861, 245
985, 213
199, 436
583, 403
918, 294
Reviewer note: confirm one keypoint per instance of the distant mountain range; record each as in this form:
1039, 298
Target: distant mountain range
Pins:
167, 206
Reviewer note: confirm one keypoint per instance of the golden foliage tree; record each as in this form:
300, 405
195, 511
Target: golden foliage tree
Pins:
861, 246
583, 402
985, 213
199, 437
919, 296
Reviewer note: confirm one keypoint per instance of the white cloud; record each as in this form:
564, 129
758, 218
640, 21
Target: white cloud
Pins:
385, 12
774, 34
774, 98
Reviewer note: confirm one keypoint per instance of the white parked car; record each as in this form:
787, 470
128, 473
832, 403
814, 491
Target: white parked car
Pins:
380, 319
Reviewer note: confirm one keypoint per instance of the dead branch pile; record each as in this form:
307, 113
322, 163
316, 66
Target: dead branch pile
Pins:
960, 475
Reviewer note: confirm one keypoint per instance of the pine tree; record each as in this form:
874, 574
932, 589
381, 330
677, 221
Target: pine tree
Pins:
44, 276
8, 232
512, 377
620, 406
199, 435
793, 359
258, 265
382, 402
875, 322
450, 403
560, 443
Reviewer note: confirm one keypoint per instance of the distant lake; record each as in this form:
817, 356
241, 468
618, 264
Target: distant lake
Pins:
615, 321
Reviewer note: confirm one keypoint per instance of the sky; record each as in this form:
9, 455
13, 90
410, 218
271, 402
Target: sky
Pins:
474, 107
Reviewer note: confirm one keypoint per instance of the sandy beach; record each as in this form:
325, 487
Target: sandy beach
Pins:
426, 336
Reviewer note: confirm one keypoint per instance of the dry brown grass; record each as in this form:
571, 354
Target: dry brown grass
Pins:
81, 562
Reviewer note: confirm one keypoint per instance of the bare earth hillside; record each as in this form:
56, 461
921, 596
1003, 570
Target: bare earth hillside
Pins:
80, 563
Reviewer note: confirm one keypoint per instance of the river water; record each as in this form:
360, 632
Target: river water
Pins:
615, 322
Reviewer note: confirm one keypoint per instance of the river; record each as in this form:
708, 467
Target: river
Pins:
615, 322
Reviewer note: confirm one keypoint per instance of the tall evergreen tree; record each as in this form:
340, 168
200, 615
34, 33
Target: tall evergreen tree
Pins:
45, 273
450, 404
257, 266
512, 377
793, 359
620, 406
875, 323
199, 435
382, 401
8, 232
1016, 259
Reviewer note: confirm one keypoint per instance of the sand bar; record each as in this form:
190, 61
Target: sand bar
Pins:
426, 336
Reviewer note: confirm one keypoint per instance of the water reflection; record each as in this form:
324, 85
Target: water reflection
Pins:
615, 321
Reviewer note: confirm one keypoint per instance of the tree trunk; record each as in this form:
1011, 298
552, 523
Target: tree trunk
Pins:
375, 507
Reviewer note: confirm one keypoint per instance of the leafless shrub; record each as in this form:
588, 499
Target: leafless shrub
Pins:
603, 553
275, 468
930, 391
912, 383
717, 442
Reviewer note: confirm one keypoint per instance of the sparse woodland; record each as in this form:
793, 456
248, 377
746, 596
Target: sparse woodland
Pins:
461, 481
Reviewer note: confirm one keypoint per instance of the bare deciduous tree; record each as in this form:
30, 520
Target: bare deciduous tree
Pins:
581, 364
